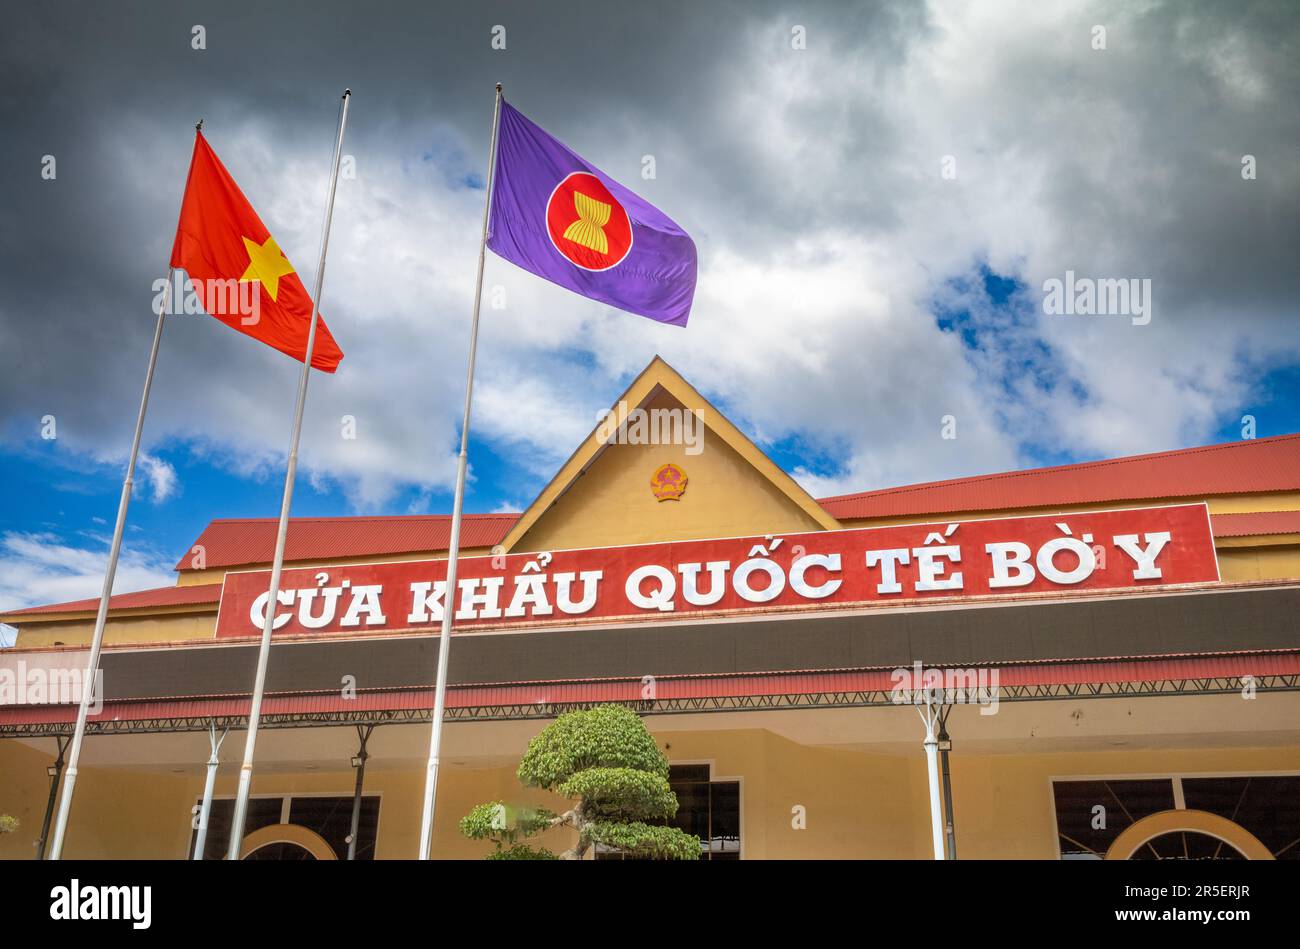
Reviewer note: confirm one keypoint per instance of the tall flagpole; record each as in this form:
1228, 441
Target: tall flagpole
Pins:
101, 617
453, 547
272, 599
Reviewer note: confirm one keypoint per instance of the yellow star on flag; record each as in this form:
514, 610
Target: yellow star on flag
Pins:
267, 264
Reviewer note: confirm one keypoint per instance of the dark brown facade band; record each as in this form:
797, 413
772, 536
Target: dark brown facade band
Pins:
1221, 621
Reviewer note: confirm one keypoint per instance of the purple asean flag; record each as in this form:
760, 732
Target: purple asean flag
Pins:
560, 217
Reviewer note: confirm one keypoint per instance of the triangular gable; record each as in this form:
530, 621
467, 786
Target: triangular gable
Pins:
737, 488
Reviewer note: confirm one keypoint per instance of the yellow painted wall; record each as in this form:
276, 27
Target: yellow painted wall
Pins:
122, 814
118, 631
1259, 563
857, 805
612, 502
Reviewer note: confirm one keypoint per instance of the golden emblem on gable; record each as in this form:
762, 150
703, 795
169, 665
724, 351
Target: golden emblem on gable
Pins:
668, 483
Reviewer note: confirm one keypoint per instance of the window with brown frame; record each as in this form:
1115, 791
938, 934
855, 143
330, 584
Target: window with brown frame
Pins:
706, 808
331, 817
1091, 813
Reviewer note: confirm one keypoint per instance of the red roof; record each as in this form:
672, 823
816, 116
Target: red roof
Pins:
244, 541
1265, 464
1256, 523
667, 688
194, 595
1253, 465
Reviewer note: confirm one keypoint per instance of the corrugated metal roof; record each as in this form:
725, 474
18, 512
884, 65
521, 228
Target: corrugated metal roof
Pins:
194, 595
1256, 523
667, 688
1252, 465
1265, 464
246, 541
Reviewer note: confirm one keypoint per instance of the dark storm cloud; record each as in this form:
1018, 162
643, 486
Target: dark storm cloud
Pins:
810, 181
112, 92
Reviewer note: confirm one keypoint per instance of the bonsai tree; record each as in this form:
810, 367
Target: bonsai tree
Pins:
504, 826
606, 762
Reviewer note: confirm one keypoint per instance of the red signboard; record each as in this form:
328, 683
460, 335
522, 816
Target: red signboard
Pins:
1098, 550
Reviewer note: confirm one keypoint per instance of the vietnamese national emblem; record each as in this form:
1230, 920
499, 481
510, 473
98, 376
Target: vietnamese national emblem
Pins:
668, 483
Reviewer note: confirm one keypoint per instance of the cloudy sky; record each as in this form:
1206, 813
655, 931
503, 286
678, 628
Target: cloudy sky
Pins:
878, 193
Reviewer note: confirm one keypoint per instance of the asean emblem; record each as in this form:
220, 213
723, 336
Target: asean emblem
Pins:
586, 223
668, 483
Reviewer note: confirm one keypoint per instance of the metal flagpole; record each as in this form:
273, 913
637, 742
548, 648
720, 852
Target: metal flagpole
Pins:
272, 599
101, 617
209, 785
453, 547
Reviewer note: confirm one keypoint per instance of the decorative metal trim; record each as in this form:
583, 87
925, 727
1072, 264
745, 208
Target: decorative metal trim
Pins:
1218, 685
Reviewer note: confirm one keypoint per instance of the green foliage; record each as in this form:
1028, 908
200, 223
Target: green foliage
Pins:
604, 759
608, 736
504, 825
522, 852
621, 792
8, 824
643, 840
484, 821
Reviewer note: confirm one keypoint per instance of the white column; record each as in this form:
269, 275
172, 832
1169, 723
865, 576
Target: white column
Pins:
932, 766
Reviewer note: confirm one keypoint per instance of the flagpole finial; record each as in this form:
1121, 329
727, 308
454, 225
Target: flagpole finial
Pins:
346, 93
498, 88
199, 126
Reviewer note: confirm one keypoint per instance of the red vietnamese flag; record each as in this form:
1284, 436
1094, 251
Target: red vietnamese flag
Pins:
220, 237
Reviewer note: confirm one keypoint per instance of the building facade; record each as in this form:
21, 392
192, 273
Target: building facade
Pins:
1108, 655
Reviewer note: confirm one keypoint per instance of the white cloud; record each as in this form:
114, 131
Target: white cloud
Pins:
163, 483
41, 568
828, 242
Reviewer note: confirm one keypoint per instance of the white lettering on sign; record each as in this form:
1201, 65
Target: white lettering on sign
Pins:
888, 562
1046, 560
798, 573
931, 570
740, 581
717, 582
590, 582
660, 597
530, 596
1010, 562
1016, 555
1144, 557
